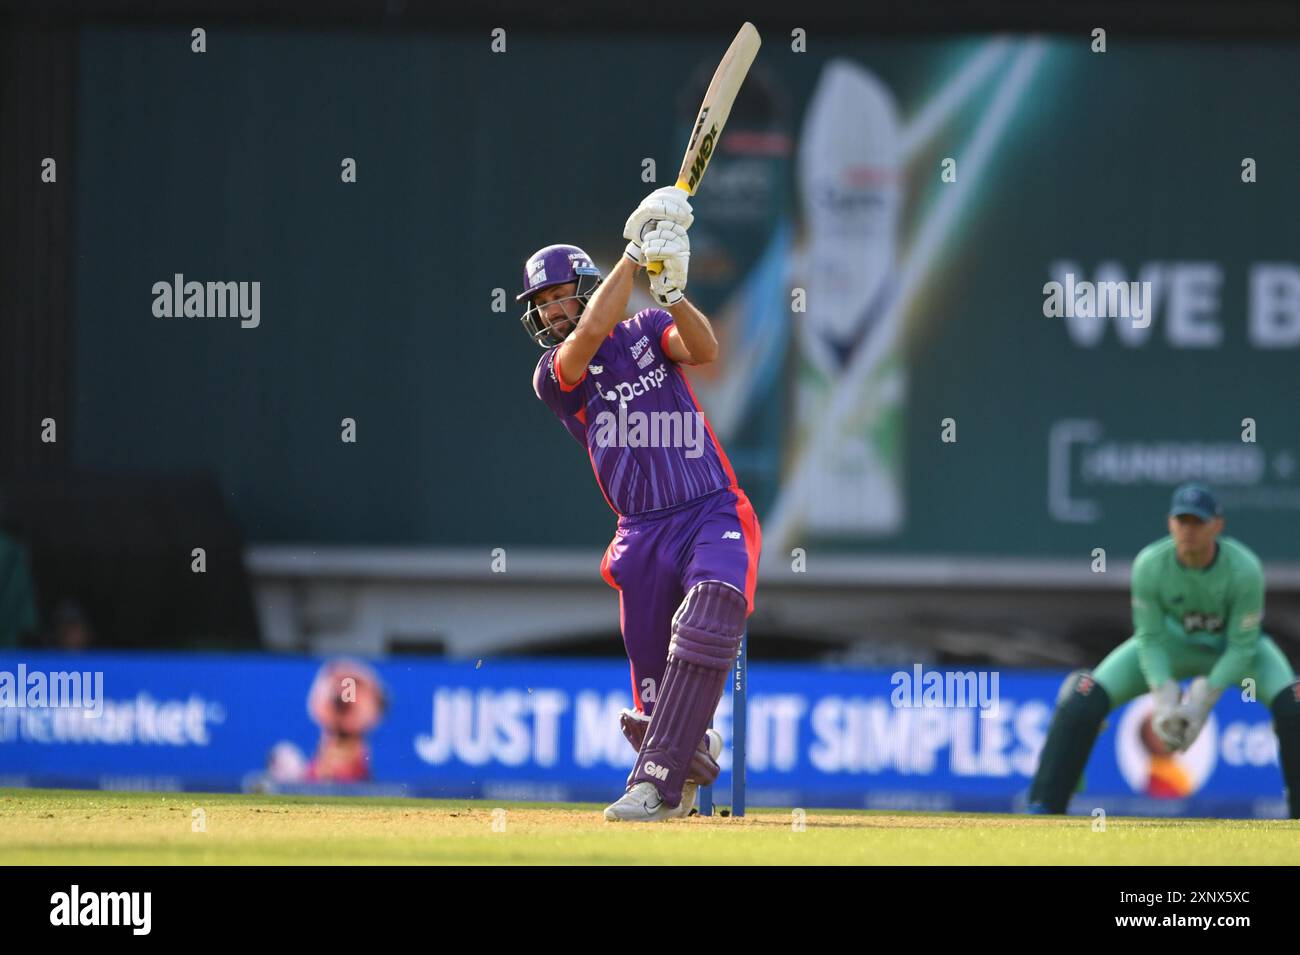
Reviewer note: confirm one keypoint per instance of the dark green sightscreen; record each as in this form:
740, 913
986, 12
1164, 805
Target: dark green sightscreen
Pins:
376, 296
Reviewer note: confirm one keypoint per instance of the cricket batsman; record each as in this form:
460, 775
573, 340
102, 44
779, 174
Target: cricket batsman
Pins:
684, 558
1198, 599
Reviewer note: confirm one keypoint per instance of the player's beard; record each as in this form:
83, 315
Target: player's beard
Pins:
562, 328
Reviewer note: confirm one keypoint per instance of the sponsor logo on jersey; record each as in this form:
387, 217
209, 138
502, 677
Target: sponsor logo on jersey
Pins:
1204, 622
731, 535
595, 369
625, 391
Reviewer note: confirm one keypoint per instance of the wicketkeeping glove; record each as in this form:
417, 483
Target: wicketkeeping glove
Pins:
1195, 709
669, 244
1169, 722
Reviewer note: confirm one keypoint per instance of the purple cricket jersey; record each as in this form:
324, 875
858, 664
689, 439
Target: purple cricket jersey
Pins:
649, 442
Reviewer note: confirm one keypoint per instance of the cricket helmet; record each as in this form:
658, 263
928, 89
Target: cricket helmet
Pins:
546, 268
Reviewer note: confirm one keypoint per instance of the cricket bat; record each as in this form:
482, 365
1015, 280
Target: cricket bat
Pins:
714, 112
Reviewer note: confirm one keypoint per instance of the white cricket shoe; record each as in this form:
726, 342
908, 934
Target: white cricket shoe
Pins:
642, 803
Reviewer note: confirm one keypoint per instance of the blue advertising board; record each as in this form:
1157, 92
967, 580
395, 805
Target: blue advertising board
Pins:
543, 729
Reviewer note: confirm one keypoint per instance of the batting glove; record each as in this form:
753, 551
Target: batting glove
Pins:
667, 204
634, 252
1169, 722
668, 244
1195, 708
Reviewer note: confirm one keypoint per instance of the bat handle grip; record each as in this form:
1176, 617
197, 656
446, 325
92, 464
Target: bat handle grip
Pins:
654, 268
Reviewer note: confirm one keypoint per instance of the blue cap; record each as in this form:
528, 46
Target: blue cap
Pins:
1195, 499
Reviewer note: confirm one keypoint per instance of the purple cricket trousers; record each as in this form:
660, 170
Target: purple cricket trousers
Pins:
654, 559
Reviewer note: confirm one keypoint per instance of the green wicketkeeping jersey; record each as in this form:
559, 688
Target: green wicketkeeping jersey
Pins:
1217, 608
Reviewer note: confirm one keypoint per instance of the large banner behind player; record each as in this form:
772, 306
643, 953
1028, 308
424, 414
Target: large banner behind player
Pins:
545, 730
876, 242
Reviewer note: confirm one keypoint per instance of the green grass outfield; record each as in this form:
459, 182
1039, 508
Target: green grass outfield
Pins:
42, 826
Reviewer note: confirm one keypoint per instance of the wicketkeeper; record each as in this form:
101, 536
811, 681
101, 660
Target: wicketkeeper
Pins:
684, 558
1197, 603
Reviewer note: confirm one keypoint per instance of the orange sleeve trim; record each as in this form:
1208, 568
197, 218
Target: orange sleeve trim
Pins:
559, 373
